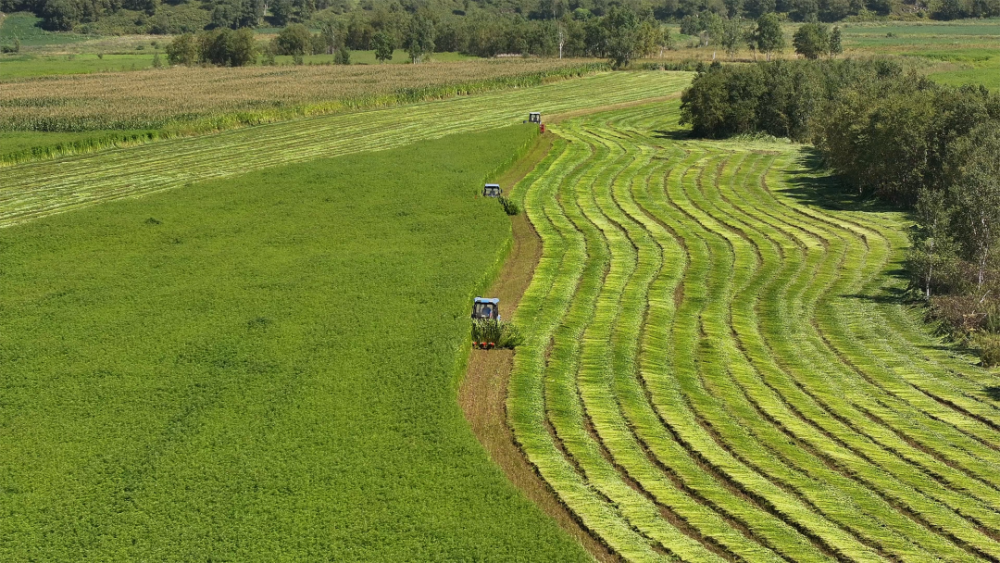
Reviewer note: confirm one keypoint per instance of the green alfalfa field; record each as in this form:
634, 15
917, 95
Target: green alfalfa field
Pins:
260, 369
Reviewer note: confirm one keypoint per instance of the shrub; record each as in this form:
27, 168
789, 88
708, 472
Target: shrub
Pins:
989, 348
510, 206
13, 48
811, 40
490, 333
294, 40
225, 47
183, 50
343, 56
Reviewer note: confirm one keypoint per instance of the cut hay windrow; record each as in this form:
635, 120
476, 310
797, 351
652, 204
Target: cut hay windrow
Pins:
44, 188
719, 350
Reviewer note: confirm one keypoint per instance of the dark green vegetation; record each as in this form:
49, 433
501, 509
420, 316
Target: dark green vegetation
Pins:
621, 35
492, 333
25, 27
510, 207
32, 145
779, 99
260, 369
220, 47
813, 40
898, 137
480, 27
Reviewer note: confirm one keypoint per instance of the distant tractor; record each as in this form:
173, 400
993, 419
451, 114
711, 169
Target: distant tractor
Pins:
535, 117
484, 308
492, 190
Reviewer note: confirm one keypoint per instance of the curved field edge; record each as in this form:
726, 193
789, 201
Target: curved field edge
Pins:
44, 188
483, 389
226, 120
233, 379
729, 424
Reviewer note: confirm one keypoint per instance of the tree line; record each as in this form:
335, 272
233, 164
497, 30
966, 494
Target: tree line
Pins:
895, 136
621, 36
176, 16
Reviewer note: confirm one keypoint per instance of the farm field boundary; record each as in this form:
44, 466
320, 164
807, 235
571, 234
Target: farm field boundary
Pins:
716, 367
39, 189
482, 393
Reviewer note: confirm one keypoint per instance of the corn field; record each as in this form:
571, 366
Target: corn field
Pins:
217, 98
43, 188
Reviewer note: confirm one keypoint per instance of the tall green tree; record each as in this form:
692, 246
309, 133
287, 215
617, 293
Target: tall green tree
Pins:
281, 12
235, 14
294, 40
343, 56
183, 50
767, 35
420, 38
621, 26
757, 8
976, 196
733, 33
932, 257
331, 34
60, 15
384, 45
650, 37
836, 45
227, 47
811, 40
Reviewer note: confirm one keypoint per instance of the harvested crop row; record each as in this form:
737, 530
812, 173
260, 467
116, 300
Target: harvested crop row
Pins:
708, 353
44, 188
843, 504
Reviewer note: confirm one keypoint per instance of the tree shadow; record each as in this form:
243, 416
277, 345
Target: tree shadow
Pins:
890, 296
993, 392
673, 134
813, 184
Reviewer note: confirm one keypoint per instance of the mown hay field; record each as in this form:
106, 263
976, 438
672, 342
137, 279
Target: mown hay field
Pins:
37, 189
718, 366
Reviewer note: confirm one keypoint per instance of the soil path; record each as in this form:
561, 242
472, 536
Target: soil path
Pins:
483, 393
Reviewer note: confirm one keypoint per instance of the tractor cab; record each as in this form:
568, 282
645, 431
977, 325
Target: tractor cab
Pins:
492, 190
484, 308
535, 117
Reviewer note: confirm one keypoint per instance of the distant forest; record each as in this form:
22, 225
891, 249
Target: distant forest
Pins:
457, 22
